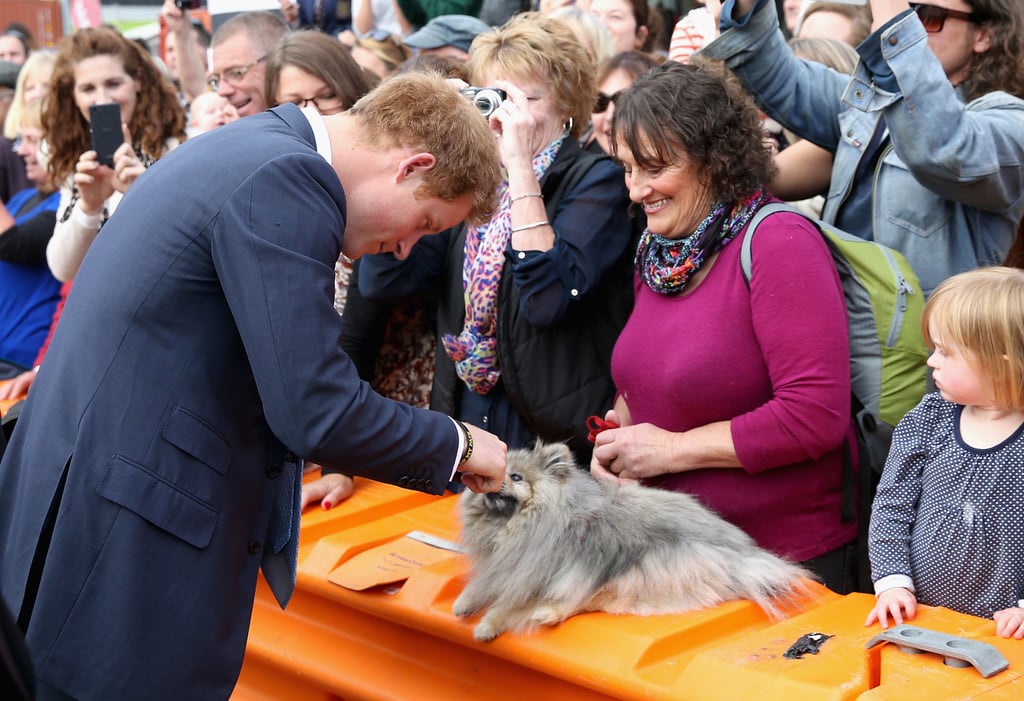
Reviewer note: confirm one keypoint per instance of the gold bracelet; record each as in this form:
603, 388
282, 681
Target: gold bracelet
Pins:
523, 197
468, 452
534, 225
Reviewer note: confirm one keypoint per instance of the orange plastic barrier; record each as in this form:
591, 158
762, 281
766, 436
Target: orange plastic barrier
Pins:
400, 640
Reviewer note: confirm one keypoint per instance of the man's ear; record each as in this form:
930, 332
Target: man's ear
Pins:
983, 39
416, 164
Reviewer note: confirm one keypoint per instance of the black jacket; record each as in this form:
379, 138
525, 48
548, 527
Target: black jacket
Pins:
557, 376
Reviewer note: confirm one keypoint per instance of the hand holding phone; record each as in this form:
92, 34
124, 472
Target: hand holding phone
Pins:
105, 125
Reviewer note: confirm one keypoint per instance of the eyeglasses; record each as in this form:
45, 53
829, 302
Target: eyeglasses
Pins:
324, 104
602, 102
232, 76
934, 18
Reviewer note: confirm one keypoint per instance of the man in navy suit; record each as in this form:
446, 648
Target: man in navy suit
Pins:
155, 466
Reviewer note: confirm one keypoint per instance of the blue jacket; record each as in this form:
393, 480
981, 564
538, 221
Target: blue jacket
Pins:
198, 346
948, 187
28, 293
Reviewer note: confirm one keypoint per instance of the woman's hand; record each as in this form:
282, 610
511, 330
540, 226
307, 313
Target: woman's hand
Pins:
95, 183
329, 489
520, 137
599, 469
634, 453
898, 602
127, 166
1010, 623
17, 386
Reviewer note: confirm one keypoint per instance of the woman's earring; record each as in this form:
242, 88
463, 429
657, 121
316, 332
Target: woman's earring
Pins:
568, 126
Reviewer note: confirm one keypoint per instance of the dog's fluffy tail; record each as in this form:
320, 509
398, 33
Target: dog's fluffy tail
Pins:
774, 584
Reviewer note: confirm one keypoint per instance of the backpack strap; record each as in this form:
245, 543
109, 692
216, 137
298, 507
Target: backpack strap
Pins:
746, 260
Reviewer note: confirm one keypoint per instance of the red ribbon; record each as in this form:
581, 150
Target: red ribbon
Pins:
595, 424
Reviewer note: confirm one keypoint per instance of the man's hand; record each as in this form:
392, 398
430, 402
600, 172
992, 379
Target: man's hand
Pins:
485, 469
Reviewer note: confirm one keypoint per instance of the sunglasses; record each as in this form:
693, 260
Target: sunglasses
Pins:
934, 18
602, 102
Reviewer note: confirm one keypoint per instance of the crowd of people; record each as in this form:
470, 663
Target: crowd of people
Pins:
316, 250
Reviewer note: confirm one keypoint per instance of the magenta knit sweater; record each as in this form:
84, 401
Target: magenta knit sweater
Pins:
772, 358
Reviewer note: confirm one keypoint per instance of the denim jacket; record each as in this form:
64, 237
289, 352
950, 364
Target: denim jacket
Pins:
947, 189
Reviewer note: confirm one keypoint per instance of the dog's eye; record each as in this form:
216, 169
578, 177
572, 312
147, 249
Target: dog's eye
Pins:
516, 477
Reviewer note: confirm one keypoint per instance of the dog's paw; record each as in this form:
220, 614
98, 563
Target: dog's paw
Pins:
486, 631
547, 615
465, 606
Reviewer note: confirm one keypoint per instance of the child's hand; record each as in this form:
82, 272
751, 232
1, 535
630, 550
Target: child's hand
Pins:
1010, 623
899, 603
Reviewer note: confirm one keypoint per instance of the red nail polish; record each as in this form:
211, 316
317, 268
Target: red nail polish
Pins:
327, 505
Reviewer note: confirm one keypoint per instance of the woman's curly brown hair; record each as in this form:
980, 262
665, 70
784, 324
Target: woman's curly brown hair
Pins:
157, 116
698, 112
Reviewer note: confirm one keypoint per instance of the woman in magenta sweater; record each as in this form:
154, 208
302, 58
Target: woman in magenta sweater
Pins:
736, 394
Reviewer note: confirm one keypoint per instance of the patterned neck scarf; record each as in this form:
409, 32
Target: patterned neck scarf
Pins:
666, 265
474, 351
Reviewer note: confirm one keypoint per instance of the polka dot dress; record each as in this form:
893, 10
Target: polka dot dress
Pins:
951, 516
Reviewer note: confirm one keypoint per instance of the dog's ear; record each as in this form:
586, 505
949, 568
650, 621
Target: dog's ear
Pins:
558, 460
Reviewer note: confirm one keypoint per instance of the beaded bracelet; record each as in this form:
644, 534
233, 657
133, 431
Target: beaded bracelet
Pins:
524, 227
523, 197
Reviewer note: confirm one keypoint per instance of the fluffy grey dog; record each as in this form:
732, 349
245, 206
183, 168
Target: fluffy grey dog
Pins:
554, 542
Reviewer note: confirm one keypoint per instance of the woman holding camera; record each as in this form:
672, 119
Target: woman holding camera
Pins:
99, 66
530, 302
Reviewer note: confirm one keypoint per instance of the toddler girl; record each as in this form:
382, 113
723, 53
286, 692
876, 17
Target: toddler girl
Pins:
947, 523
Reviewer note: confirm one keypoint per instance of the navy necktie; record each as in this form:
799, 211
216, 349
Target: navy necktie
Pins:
281, 554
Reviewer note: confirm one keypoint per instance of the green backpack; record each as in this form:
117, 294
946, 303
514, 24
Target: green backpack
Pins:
887, 353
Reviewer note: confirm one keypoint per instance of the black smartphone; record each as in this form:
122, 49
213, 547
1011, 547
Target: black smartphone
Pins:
105, 124
190, 4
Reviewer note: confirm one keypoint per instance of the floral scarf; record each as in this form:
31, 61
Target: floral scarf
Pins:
666, 265
474, 350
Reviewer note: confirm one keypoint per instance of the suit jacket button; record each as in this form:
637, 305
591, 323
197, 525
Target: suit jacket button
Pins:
428, 485
254, 547
273, 471
402, 481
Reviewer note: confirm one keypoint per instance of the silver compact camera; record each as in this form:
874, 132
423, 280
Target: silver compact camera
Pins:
485, 99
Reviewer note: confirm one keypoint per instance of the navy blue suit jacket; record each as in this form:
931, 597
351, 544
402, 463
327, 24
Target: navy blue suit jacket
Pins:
198, 346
